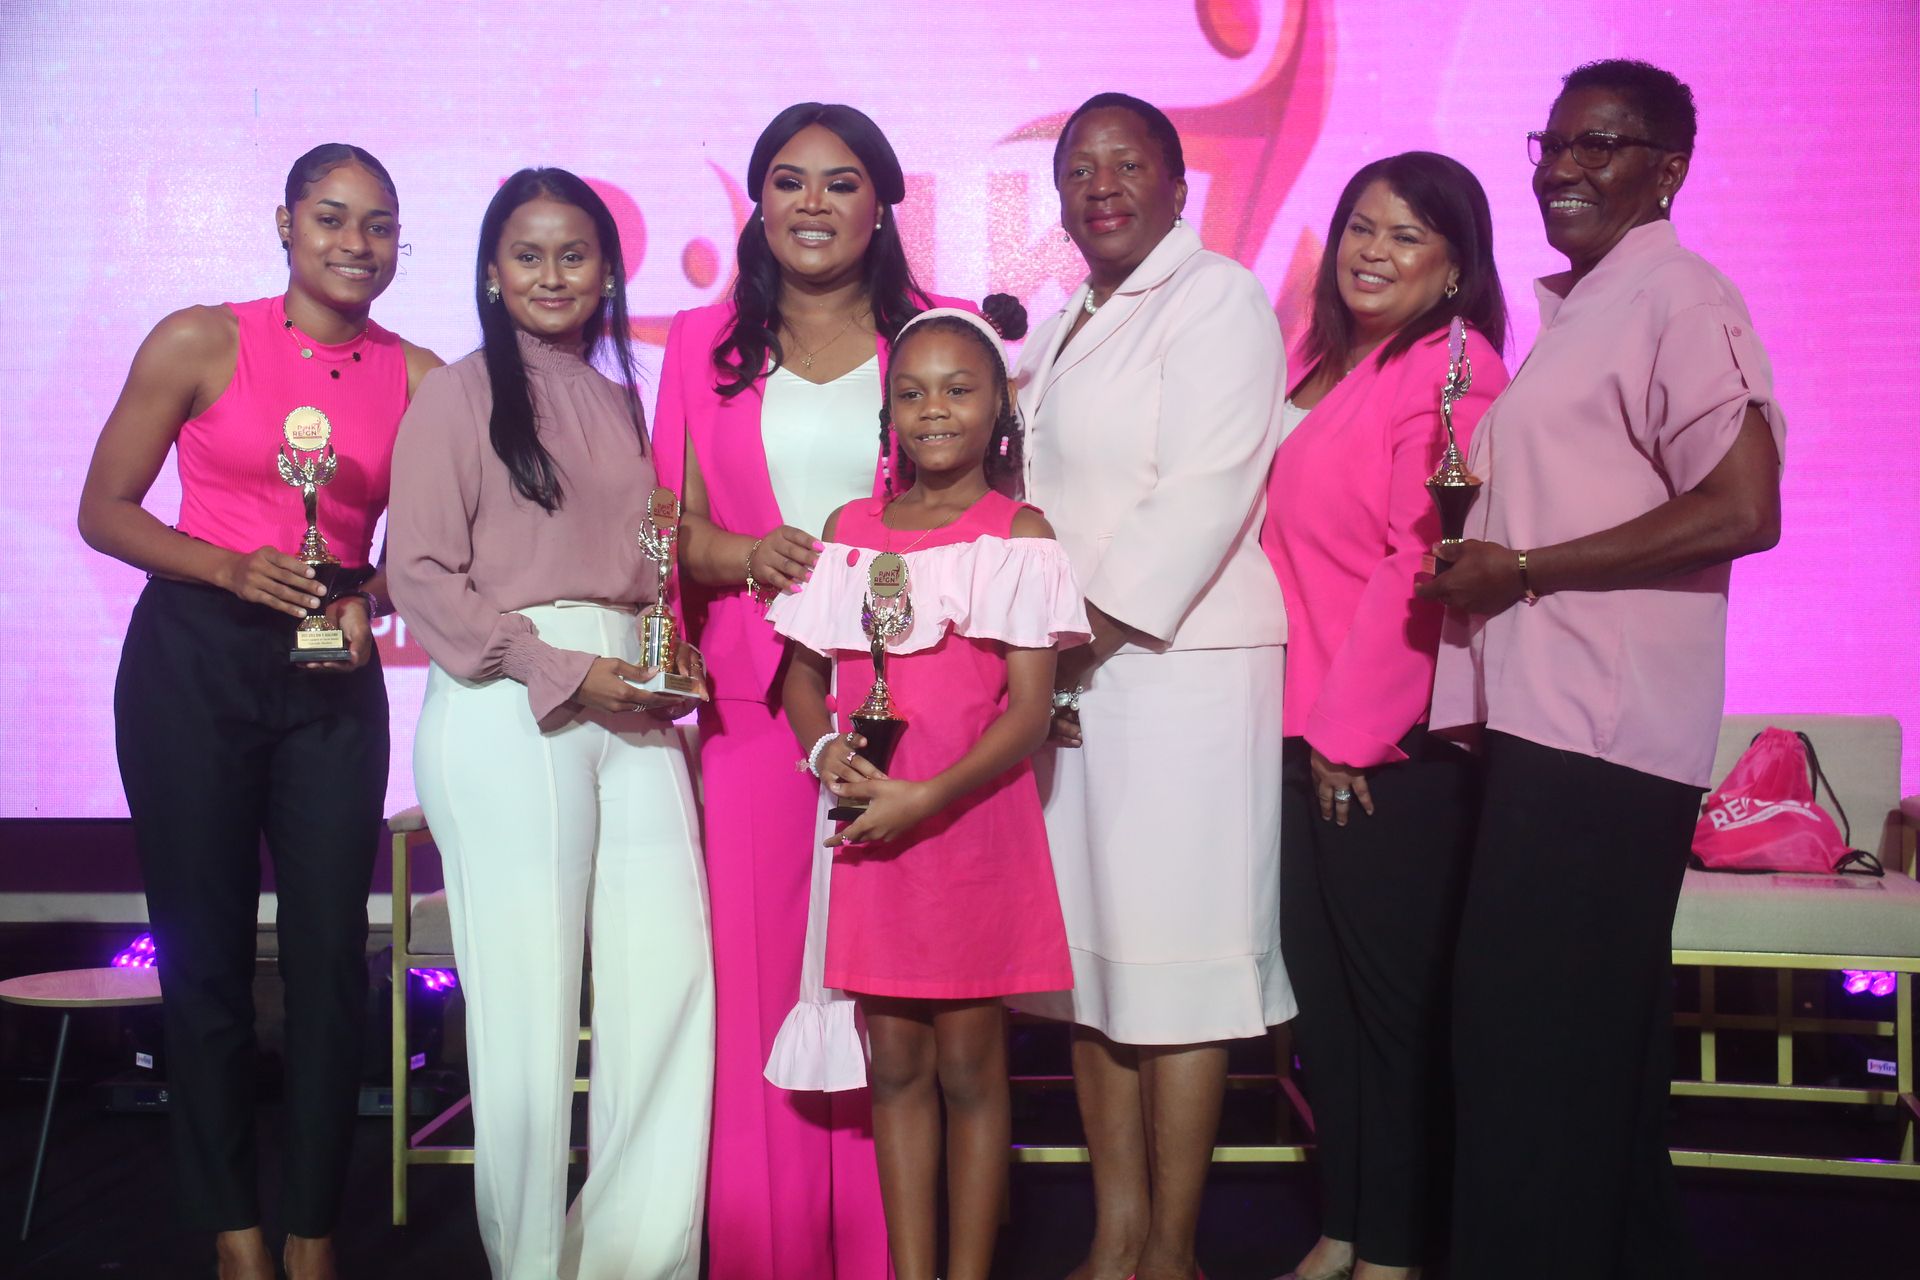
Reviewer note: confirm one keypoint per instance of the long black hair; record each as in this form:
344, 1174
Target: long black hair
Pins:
740, 358
514, 428
1006, 446
1444, 194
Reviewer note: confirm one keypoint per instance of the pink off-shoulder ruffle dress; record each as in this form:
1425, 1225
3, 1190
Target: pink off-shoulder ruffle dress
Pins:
964, 906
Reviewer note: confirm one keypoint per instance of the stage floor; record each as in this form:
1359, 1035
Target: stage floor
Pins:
105, 1210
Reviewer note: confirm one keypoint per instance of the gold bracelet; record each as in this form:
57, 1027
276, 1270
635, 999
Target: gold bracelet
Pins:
1526, 585
753, 588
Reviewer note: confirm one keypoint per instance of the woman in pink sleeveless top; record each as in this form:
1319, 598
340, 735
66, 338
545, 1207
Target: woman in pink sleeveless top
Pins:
767, 421
222, 739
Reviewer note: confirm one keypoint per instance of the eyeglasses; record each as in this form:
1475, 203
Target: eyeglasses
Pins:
1591, 150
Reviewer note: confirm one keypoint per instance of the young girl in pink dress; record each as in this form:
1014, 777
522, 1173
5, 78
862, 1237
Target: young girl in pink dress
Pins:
942, 894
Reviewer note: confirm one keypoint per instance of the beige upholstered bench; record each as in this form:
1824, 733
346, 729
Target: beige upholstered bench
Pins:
1812, 922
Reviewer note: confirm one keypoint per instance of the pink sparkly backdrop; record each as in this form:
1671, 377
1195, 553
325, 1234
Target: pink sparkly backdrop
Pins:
144, 147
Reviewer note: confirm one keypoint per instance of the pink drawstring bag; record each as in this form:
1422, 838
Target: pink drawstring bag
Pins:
1763, 816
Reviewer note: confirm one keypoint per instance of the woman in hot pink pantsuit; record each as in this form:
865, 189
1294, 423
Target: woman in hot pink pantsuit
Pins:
767, 420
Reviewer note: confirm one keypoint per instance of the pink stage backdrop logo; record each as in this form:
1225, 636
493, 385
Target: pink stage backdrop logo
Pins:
146, 147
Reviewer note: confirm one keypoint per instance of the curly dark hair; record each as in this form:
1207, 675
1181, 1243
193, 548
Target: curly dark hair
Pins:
1660, 98
1004, 447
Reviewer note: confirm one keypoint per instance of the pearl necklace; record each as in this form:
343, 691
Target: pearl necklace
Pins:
1089, 305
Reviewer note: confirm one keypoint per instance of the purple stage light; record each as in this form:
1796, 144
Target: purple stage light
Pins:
1877, 982
139, 954
436, 980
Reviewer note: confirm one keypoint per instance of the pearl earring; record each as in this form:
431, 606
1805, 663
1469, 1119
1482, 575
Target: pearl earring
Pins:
1666, 202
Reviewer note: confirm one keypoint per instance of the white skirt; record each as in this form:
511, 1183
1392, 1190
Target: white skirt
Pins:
1165, 830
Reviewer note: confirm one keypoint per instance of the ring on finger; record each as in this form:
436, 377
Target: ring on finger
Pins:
1342, 795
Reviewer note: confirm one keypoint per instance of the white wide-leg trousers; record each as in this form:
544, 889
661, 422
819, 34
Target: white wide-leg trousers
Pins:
549, 838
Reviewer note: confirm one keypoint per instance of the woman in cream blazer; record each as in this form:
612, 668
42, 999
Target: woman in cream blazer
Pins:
1152, 404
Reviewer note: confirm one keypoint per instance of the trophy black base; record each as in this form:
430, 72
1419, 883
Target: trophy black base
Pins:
882, 736
303, 656
1433, 564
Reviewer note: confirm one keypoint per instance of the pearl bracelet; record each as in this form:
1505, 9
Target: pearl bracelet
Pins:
813, 756
1067, 700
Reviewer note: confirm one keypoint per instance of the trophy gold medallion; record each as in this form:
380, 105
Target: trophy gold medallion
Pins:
307, 462
886, 614
659, 538
1453, 487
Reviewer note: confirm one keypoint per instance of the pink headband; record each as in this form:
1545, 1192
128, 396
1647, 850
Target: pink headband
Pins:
955, 313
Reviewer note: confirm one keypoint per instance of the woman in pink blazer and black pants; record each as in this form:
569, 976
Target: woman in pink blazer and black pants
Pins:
1152, 405
769, 419
1378, 812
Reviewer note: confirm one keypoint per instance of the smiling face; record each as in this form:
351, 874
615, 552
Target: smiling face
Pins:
1587, 211
1118, 199
944, 399
818, 207
1391, 266
550, 269
343, 238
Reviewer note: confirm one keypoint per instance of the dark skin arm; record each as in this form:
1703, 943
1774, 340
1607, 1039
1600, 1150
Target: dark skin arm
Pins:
184, 366
1734, 512
1078, 664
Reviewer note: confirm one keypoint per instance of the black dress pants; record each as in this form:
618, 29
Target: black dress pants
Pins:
1562, 1031
220, 740
1368, 917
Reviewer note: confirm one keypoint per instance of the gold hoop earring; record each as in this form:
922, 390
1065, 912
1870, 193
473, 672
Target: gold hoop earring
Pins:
1453, 287
493, 291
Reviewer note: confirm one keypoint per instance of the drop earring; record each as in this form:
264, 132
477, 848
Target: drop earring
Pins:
493, 291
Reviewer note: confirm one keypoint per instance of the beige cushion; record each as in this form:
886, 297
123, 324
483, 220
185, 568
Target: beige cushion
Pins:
432, 928
1818, 915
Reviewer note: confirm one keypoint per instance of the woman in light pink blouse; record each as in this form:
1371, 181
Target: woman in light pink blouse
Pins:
1635, 456
1377, 813
557, 792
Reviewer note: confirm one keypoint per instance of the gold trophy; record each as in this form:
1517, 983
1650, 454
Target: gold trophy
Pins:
307, 462
885, 615
1453, 487
659, 632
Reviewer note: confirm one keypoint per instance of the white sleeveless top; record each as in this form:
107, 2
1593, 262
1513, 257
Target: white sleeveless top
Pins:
822, 441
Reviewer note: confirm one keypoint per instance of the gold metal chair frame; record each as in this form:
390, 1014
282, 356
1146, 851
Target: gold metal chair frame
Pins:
410, 1146
1786, 1025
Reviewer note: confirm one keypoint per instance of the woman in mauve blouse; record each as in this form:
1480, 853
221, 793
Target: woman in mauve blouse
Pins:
1377, 813
557, 792
1635, 456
